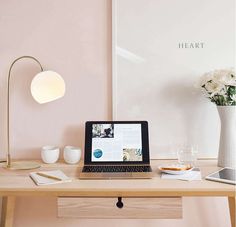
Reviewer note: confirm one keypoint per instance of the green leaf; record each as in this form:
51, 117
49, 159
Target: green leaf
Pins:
231, 90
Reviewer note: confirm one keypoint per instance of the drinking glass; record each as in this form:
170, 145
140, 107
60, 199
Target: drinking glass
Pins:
187, 156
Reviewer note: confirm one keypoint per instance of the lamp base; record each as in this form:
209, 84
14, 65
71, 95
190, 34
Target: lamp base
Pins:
22, 165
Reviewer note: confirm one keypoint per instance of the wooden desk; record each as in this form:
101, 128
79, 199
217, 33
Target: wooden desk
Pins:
18, 183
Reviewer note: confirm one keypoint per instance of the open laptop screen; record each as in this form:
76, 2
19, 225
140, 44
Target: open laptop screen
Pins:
116, 142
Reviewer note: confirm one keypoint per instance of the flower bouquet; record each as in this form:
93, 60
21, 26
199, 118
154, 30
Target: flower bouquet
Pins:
220, 87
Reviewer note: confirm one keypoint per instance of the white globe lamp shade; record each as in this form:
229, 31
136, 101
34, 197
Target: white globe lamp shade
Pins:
47, 86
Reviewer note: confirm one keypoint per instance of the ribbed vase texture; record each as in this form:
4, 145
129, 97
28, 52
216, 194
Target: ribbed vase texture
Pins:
227, 146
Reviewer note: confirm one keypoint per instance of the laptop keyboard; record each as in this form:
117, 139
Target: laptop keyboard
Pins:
100, 169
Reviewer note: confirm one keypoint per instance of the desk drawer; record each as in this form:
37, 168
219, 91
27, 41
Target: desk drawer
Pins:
133, 208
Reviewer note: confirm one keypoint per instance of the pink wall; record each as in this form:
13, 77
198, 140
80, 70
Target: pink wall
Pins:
73, 38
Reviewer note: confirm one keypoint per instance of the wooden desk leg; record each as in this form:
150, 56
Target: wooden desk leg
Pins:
232, 205
8, 205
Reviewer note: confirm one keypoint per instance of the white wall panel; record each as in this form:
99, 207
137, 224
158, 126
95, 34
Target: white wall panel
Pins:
154, 77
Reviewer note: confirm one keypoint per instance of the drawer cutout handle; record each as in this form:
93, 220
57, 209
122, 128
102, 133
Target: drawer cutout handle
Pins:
119, 204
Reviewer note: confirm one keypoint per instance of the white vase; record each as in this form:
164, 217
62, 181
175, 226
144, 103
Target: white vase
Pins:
227, 146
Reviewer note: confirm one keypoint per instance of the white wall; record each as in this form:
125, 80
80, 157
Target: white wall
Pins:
154, 78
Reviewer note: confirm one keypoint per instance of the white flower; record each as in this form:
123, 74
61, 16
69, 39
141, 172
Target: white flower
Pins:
215, 88
218, 83
226, 77
233, 97
207, 77
205, 93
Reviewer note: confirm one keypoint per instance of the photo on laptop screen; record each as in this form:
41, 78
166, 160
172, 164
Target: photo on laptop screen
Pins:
116, 143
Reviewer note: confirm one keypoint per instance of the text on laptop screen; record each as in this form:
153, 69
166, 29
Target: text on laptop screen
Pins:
116, 143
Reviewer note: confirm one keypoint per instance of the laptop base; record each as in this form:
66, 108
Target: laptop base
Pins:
121, 175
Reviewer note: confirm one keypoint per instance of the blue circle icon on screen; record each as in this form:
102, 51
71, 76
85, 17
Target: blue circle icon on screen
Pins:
97, 153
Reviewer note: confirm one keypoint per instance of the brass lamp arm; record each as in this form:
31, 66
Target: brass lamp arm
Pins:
8, 106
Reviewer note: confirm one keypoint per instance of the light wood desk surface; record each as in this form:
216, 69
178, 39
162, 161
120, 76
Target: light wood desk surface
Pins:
18, 183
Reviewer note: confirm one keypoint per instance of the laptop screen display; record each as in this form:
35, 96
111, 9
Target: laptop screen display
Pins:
116, 143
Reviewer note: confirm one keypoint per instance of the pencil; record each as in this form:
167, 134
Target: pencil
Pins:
48, 176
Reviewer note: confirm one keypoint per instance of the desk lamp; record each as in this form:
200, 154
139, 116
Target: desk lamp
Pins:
46, 86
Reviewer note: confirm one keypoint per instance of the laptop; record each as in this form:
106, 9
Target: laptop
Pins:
116, 149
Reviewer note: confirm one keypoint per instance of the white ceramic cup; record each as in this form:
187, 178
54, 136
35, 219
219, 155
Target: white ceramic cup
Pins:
50, 154
72, 154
